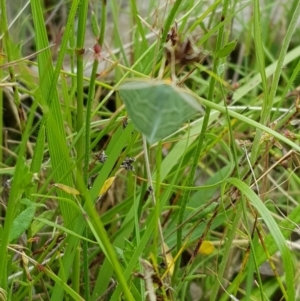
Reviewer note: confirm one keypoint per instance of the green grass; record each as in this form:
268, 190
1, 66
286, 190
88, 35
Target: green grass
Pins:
75, 228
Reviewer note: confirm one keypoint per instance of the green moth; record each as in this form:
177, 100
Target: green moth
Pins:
157, 108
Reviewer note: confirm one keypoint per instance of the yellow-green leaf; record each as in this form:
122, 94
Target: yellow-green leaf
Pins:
169, 259
106, 185
67, 189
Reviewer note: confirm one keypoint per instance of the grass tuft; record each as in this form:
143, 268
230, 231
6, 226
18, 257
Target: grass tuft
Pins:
90, 210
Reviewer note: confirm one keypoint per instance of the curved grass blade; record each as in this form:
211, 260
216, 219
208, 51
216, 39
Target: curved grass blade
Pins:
275, 232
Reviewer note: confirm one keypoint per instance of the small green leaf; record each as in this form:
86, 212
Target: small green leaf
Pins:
37, 225
227, 49
21, 223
